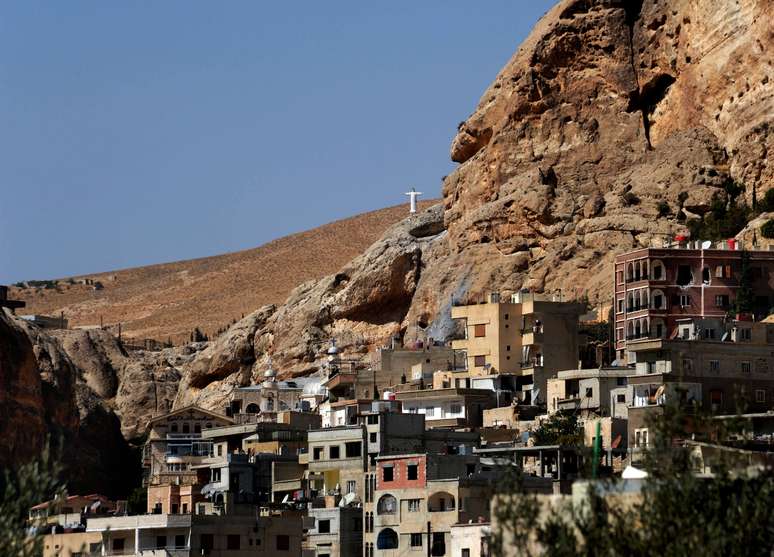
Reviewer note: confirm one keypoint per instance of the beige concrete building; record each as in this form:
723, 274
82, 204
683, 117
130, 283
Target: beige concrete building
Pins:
334, 528
590, 392
471, 539
528, 336
165, 535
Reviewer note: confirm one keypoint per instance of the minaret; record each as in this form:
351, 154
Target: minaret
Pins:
413, 194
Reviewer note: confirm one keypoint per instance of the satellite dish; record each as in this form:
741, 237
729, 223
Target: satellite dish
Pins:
706, 244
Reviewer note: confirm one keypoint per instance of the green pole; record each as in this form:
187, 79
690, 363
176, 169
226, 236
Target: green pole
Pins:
597, 450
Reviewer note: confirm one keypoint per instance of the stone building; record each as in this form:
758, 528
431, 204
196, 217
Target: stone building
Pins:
174, 446
723, 367
414, 490
655, 288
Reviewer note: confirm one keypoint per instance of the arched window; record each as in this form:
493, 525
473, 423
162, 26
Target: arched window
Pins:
440, 502
630, 330
658, 328
629, 301
252, 408
658, 271
644, 269
387, 539
186, 428
637, 301
270, 403
644, 323
630, 272
387, 505
658, 300
637, 329
645, 302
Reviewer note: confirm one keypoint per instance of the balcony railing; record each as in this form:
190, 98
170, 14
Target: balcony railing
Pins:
646, 334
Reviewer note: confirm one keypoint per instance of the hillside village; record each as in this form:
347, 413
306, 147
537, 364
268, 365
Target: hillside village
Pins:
585, 318
401, 450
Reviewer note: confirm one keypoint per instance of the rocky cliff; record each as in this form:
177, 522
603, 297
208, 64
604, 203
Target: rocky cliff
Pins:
613, 124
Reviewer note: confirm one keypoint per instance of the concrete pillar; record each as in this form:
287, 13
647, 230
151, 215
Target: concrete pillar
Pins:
137, 541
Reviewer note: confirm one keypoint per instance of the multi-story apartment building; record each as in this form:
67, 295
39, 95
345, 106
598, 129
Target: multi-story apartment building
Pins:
529, 337
414, 491
599, 392
654, 288
174, 446
189, 535
335, 528
449, 408
724, 367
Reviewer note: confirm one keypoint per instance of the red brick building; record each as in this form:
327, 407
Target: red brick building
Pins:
654, 288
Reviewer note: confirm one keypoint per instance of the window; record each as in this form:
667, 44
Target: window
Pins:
232, 541
721, 300
439, 544
687, 365
716, 396
507, 347
412, 471
161, 542
118, 544
283, 543
186, 428
714, 366
416, 540
479, 361
621, 398
215, 475
589, 392
372, 437
179, 541
387, 474
372, 419
324, 526
745, 334
658, 301
465, 552
353, 449
387, 505
173, 428
220, 450
620, 306
641, 438
760, 395
351, 486
317, 453
746, 367
684, 275
685, 300
479, 331
334, 452
620, 381
455, 409
413, 505
657, 271
387, 539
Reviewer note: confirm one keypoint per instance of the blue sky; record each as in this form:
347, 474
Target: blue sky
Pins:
142, 132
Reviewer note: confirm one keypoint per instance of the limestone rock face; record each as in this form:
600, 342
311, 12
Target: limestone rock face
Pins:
613, 123
44, 398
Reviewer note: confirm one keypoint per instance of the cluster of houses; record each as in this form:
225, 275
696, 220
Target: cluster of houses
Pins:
401, 455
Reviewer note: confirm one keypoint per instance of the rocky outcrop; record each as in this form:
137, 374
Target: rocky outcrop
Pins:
613, 124
44, 399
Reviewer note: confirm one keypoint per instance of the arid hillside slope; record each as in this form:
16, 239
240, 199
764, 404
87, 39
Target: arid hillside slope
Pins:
169, 300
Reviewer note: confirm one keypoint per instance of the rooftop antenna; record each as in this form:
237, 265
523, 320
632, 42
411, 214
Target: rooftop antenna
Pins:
413, 194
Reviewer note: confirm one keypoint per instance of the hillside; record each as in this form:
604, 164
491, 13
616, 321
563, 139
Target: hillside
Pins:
168, 300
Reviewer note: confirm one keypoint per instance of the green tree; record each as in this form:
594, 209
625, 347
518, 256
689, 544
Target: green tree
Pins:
679, 513
767, 230
561, 428
21, 488
744, 295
